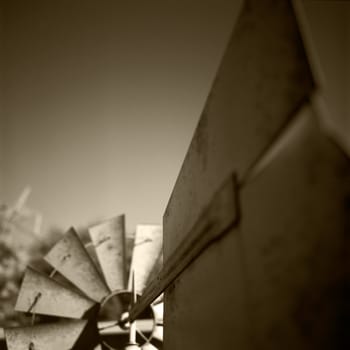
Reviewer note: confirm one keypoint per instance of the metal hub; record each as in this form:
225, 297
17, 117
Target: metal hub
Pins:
114, 325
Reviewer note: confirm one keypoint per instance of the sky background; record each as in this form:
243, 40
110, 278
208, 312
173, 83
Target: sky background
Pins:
99, 99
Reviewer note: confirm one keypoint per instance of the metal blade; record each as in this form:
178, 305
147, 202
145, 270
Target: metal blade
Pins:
157, 268
109, 241
148, 346
70, 258
53, 336
147, 248
158, 311
40, 294
92, 252
158, 333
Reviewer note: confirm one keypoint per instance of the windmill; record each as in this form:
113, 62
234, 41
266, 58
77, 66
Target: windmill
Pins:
89, 290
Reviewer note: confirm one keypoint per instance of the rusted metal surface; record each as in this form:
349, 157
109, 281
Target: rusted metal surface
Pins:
108, 239
217, 218
40, 294
54, 336
263, 78
147, 247
70, 258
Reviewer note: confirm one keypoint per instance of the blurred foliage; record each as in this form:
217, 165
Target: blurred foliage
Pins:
18, 247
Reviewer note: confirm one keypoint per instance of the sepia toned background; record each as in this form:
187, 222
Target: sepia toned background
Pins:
99, 99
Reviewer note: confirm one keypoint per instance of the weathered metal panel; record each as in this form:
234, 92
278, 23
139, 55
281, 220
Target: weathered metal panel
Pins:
109, 242
263, 78
40, 294
147, 247
69, 257
53, 336
278, 281
206, 306
218, 217
294, 217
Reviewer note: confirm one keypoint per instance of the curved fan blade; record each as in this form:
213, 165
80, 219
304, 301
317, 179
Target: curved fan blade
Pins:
69, 257
54, 336
109, 242
42, 295
147, 248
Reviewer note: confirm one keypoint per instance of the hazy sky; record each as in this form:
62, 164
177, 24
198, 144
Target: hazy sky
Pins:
101, 99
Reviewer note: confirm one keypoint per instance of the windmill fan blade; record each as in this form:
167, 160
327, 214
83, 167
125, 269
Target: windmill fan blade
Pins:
109, 242
157, 267
42, 295
158, 311
92, 252
148, 346
54, 336
158, 333
69, 257
147, 248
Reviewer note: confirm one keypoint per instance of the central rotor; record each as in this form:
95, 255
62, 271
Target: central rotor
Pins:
114, 325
